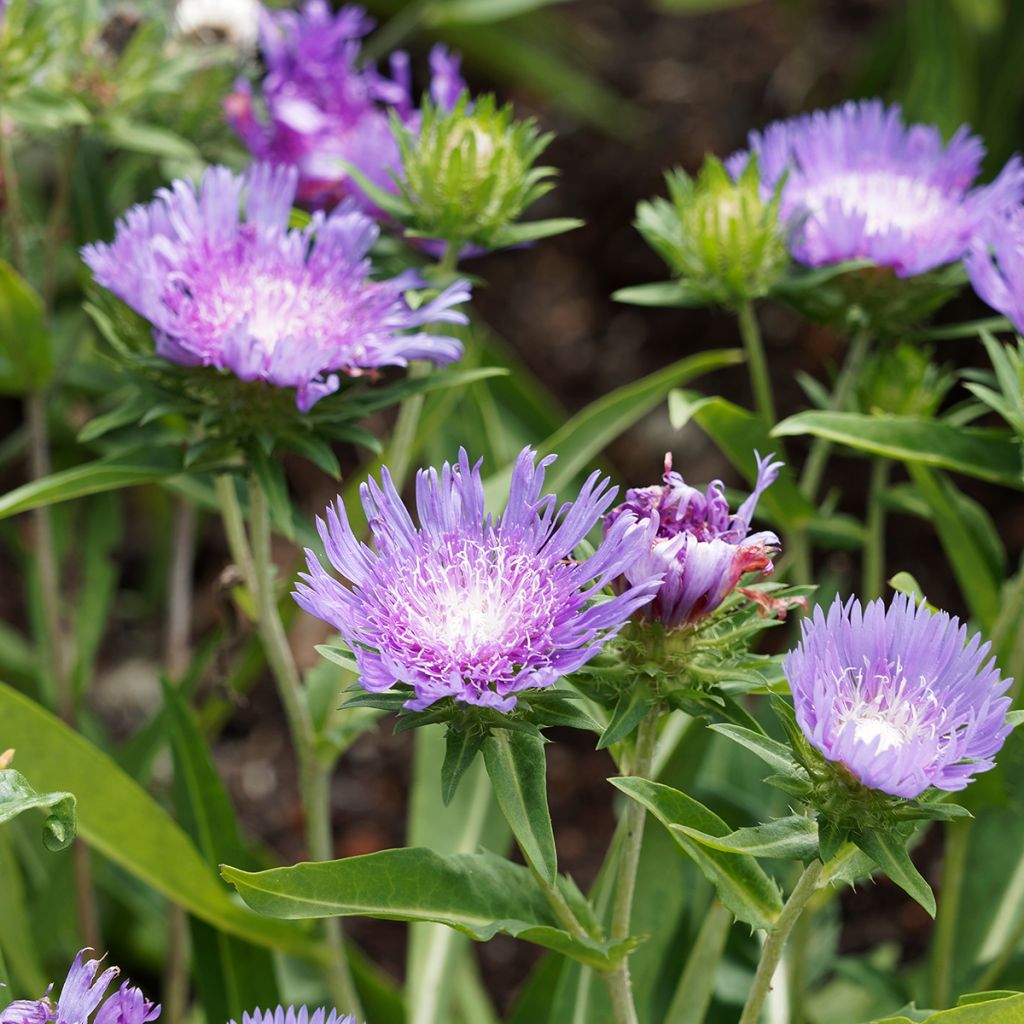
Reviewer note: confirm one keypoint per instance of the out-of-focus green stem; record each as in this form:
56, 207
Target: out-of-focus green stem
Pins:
958, 837
874, 547
814, 468
258, 570
757, 363
12, 201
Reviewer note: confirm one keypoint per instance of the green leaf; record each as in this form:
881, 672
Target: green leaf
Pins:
119, 820
17, 796
535, 230
630, 708
460, 750
774, 754
740, 881
987, 454
889, 852
660, 293
697, 985
149, 139
518, 771
479, 894
791, 838
470, 11
40, 109
26, 351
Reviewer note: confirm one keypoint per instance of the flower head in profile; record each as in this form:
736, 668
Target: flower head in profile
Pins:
701, 549
296, 1015
862, 184
322, 110
244, 293
900, 696
469, 605
995, 265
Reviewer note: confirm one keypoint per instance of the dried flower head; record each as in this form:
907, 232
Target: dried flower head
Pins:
899, 696
242, 292
701, 549
468, 605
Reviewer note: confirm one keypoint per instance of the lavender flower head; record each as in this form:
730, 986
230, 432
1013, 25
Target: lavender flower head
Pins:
899, 696
79, 996
243, 293
863, 184
295, 1015
471, 606
322, 110
700, 547
995, 265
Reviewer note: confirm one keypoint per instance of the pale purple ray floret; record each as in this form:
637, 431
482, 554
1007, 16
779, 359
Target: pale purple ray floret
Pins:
701, 548
863, 184
469, 605
296, 1015
322, 110
81, 993
901, 697
995, 265
242, 292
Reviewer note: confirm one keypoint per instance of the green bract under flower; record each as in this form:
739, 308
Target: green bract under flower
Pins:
468, 174
719, 237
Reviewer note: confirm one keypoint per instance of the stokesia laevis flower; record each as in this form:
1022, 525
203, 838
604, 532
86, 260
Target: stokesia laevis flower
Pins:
228, 21
242, 292
471, 606
900, 696
322, 110
995, 265
296, 1015
863, 184
700, 547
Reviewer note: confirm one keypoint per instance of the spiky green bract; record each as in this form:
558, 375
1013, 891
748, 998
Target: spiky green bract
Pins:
720, 238
903, 381
468, 174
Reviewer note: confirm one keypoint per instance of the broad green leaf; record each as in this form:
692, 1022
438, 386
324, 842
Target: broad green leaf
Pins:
148, 138
740, 881
479, 894
980, 1008
659, 293
518, 771
987, 454
791, 838
26, 351
697, 985
119, 820
38, 108
18, 796
889, 852
774, 754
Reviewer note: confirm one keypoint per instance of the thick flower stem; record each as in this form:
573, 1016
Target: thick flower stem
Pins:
757, 363
257, 568
814, 468
620, 984
775, 943
958, 837
874, 548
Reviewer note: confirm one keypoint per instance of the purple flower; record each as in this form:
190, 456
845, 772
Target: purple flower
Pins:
322, 110
899, 696
244, 293
862, 184
700, 547
293, 1015
468, 605
995, 265
127, 1006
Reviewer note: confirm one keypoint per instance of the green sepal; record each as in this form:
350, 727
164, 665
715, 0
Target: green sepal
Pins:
831, 838
460, 749
889, 851
630, 709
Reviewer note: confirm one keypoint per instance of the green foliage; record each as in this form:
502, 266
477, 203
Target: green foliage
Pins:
17, 796
26, 348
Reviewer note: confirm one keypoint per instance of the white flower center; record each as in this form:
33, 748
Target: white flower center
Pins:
868, 730
471, 617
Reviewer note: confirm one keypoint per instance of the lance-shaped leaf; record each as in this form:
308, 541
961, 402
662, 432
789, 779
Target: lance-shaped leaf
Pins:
774, 754
741, 882
18, 796
479, 894
791, 838
889, 852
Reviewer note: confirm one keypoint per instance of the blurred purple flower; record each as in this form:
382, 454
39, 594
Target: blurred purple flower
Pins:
701, 548
471, 606
899, 696
244, 293
295, 1015
862, 184
995, 265
322, 110
127, 1006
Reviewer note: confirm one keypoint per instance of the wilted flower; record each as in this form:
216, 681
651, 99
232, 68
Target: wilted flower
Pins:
899, 696
244, 293
220, 21
323, 111
862, 184
295, 1015
701, 549
995, 265
80, 995
467, 605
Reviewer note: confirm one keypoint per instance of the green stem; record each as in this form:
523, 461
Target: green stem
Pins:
958, 837
12, 201
775, 943
620, 983
757, 363
257, 568
814, 468
559, 905
874, 549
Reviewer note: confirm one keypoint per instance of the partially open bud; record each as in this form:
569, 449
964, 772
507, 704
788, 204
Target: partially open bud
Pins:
903, 381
